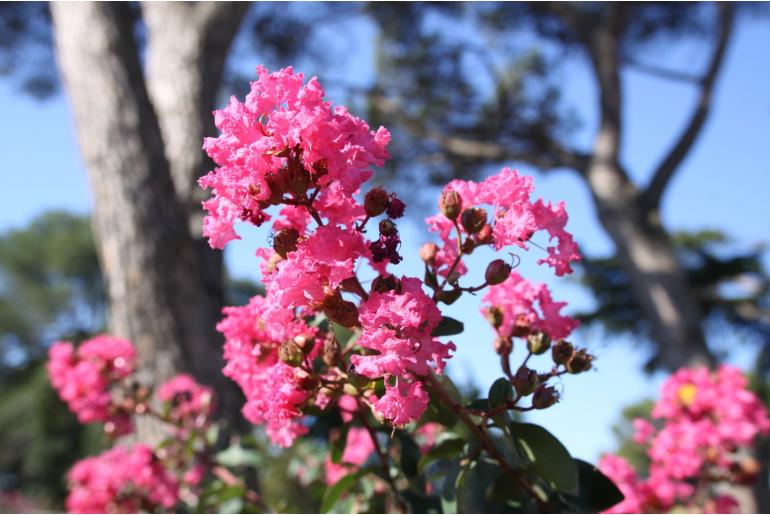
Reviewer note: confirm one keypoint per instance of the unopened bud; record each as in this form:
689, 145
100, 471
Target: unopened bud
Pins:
521, 326
387, 228
331, 352
450, 203
503, 346
300, 180
341, 311
375, 202
428, 252
285, 241
538, 343
525, 381
304, 342
290, 354
473, 219
579, 362
307, 383
545, 397
484, 235
497, 272
562, 352
384, 283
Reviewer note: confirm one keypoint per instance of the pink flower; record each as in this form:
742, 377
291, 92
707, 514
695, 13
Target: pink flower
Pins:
187, 399
527, 304
358, 448
274, 391
318, 266
514, 219
398, 326
83, 378
284, 125
121, 480
403, 403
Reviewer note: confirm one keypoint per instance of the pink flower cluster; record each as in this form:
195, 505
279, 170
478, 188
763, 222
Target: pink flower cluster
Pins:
121, 480
274, 390
514, 220
186, 399
703, 419
84, 377
281, 139
526, 308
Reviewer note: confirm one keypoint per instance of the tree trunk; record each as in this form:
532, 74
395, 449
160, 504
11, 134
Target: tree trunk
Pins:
658, 282
157, 299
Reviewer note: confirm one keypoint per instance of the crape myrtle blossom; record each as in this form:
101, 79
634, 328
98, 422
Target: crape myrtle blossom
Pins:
285, 146
84, 377
700, 425
121, 480
358, 447
514, 219
282, 139
527, 307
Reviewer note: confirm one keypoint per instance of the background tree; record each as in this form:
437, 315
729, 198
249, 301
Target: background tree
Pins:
470, 103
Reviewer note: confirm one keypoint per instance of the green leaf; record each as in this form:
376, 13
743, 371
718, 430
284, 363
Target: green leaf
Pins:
337, 446
337, 490
445, 449
343, 334
596, 492
548, 456
236, 456
479, 404
447, 327
449, 489
500, 393
410, 454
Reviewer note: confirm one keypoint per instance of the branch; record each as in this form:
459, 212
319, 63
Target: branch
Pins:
663, 73
556, 156
676, 155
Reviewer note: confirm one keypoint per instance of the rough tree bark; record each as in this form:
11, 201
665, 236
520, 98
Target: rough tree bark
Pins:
151, 262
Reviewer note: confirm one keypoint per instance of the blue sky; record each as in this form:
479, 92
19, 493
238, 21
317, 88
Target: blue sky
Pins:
724, 184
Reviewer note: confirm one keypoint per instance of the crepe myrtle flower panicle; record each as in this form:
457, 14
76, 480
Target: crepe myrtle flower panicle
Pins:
358, 447
121, 480
514, 219
278, 144
84, 377
186, 398
525, 308
700, 425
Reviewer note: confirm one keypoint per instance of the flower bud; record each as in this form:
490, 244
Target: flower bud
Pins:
375, 202
304, 342
387, 228
473, 219
545, 397
450, 203
494, 316
341, 311
299, 180
307, 383
525, 381
290, 354
497, 272
562, 351
484, 235
428, 252
521, 326
538, 343
285, 241
579, 362
384, 283
331, 351
503, 346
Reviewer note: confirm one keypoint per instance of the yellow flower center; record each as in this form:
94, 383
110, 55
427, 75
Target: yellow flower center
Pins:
686, 394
